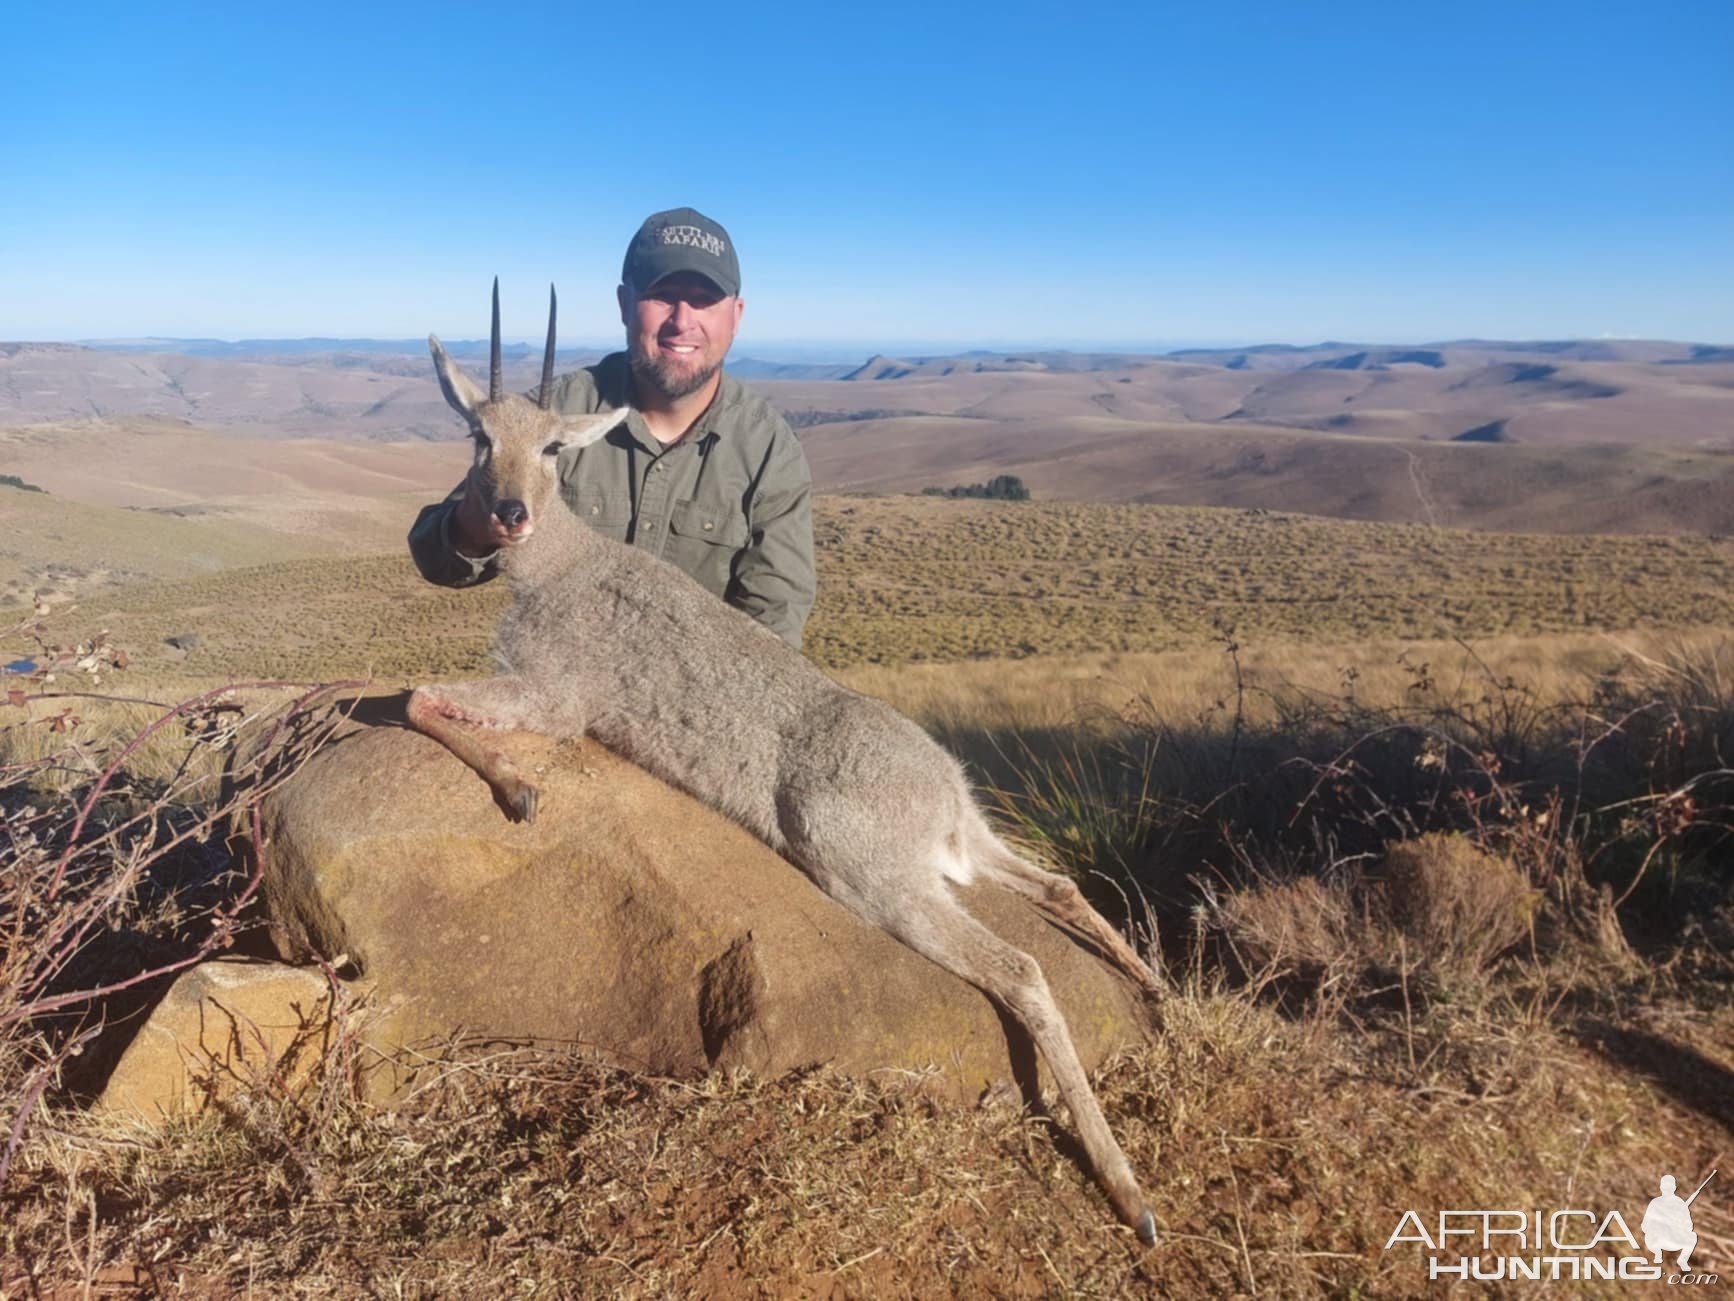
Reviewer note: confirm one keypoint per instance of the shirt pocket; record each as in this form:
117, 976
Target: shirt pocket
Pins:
709, 522
608, 512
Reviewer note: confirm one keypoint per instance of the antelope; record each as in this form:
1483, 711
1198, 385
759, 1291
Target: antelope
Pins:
606, 641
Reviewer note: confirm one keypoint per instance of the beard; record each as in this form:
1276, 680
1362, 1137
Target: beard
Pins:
666, 378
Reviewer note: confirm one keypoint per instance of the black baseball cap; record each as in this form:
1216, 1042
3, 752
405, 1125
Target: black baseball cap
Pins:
681, 239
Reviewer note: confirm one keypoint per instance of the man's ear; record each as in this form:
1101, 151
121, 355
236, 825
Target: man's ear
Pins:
460, 390
623, 296
582, 430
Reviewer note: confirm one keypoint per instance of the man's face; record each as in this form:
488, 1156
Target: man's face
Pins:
678, 332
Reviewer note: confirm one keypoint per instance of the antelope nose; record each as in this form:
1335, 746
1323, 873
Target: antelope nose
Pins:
512, 514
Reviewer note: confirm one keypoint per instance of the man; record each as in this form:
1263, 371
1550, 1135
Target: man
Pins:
703, 473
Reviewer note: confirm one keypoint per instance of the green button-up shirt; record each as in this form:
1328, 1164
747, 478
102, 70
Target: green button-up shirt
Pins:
730, 503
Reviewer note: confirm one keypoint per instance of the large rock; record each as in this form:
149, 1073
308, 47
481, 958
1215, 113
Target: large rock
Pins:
630, 919
224, 1027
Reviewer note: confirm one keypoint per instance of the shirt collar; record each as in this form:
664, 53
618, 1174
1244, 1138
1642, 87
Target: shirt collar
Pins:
614, 387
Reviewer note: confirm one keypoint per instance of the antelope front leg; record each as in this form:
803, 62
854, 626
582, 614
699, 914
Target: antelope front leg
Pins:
454, 714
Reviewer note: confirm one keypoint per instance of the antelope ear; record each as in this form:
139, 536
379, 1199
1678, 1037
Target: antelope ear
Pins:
582, 430
460, 390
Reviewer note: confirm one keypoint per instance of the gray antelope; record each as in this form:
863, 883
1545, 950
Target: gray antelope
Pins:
605, 640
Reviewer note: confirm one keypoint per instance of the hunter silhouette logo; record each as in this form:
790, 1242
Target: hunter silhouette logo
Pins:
1572, 1243
1667, 1223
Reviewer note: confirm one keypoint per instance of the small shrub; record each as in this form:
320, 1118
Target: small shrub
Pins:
1299, 928
1002, 487
1439, 912
1458, 908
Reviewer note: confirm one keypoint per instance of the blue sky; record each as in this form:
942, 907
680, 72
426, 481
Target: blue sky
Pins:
932, 174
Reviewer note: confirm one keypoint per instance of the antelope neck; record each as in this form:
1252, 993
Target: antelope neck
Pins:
560, 542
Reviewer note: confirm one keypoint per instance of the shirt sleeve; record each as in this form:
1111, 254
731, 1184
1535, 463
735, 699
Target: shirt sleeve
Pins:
774, 578
434, 553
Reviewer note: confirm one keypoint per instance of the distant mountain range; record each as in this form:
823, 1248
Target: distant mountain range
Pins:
1362, 356
1625, 435
1655, 393
1266, 356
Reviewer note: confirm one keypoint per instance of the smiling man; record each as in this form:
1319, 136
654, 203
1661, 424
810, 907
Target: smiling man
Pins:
703, 473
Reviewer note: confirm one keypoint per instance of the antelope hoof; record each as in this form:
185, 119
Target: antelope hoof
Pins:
1147, 1229
523, 803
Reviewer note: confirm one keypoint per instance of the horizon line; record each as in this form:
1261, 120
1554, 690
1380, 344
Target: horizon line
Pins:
869, 346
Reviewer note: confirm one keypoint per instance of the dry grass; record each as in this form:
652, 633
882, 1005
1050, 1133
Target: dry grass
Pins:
921, 579
61, 547
914, 578
1280, 1151
964, 701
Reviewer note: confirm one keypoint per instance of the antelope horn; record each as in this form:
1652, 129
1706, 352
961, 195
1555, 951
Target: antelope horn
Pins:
546, 393
494, 349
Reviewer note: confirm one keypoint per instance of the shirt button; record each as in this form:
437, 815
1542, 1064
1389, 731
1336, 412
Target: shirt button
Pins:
596, 510
707, 526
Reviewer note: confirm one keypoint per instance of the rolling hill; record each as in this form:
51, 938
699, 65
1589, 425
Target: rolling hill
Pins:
1607, 488
1566, 436
1650, 394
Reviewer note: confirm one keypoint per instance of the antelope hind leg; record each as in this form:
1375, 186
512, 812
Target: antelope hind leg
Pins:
937, 927
1061, 899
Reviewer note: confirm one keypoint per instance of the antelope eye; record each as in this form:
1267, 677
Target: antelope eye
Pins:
553, 449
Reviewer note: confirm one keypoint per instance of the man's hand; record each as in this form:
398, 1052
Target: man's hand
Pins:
475, 532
